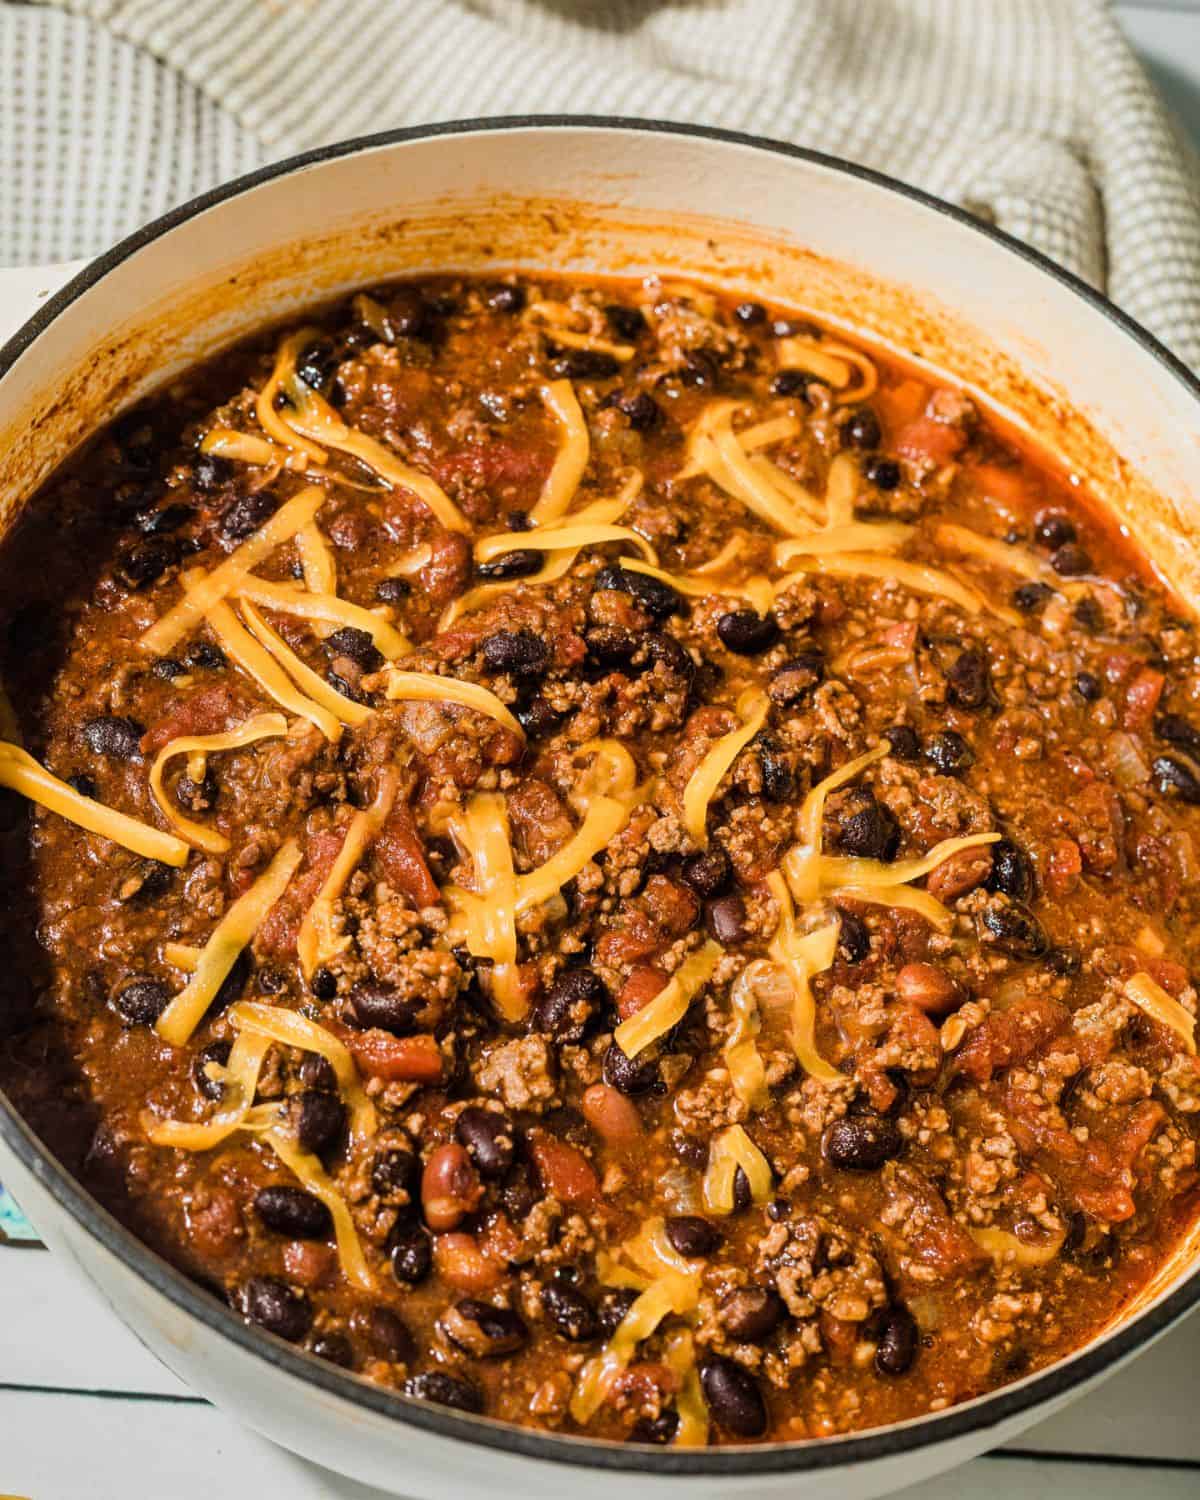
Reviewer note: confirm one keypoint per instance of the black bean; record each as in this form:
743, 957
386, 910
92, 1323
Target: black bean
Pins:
854, 940
742, 1197
490, 1139
725, 919
482, 1330
753, 1313
114, 736
700, 370
387, 1334
412, 1256
1088, 614
149, 879
273, 981
1071, 560
1172, 778
410, 315
570, 1005
392, 590
1011, 872
791, 383
968, 680
871, 832
655, 597
273, 1305
246, 514
861, 430
316, 363
750, 314
1016, 930
883, 473
733, 1396
196, 796
779, 1210
167, 668
1052, 529
583, 364
904, 743
394, 1174
294, 1212
613, 1306
520, 653
444, 1390
210, 472
640, 409
1089, 687
948, 753
707, 874
382, 1005
897, 1346
335, 1348
234, 983
572, 1314
612, 648
139, 566
82, 783
505, 298
1030, 598
797, 678
665, 651
206, 657
519, 1193
538, 717
357, 645
1065, 961
1176, 730
323, 984
320, 1120
657, 1431
159, 522
692, 1236
861, 1143
628, 1075
141, 1000
629, 323
216, 1052
746, 632
519, 563
689, 1150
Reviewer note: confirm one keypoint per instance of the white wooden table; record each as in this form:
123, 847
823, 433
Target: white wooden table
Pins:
87, 1414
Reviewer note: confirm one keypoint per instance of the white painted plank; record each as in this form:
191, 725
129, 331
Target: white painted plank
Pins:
191, 1453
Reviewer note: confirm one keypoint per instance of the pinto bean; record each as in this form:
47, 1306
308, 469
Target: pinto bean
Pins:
961, 873
564, 1171
928, 988
612, 1116
450, 1187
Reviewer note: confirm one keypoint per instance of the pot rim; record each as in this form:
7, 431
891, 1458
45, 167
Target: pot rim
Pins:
816, 1454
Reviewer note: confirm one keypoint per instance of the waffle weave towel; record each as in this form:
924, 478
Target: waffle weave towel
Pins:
1032, 113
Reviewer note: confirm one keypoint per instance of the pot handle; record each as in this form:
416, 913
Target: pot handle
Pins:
23, 289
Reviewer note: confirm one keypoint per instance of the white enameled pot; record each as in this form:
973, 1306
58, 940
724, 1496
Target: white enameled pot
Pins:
619, 197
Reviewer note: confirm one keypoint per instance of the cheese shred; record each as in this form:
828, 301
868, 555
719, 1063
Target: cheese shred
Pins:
573, 452
428, 687
314, 687
257, 662
260, 727
702, 786
1148, 995
732, 1149
671, 1003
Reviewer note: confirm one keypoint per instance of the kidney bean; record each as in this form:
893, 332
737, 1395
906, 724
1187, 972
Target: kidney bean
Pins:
461, 1264
708, 874
483, 1331
747, 633
961, 873
928, 988
564, 1171
382, 1005
320, 1120
861, 1143
725, 920
412, 1255
570, 1005
450, 1187
612, 1116
753, 1313
387, 1334
572, 1314
692, 1236
409, 1059
114, 736
141, 1000
897, 1346
629, 1075
294, 1212
644, 982
1016, 930
733, 1396
444, 1390
1012, 871
273, 1305
489, 1137
520, 653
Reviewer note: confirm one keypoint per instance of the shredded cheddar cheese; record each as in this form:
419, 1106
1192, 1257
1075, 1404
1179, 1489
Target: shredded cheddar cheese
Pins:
235, 929
316, 560
670, 1293
732, 1149
326, 608
315, 688
21, 773
573, 452
834, 364
247, 448
427, 687
257, 662
702, 786
671, 1003
239, 1077
259, 727
1005, 1247
312, 1175
742, 1057
801, 958
491, 916
1148, 995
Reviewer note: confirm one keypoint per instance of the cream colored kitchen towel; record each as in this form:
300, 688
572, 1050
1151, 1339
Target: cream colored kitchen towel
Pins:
1033, 114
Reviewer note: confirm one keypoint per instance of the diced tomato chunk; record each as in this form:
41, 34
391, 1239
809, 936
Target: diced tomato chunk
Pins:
396, 1059
401, 855
929, 441
1141, 700
644, 982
